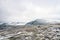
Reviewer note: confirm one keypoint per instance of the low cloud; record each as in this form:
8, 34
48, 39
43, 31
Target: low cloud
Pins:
27, 10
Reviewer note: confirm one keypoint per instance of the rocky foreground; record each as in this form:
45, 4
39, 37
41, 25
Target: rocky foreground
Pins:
40, 32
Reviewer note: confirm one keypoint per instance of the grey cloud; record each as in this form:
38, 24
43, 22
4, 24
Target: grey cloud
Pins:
27, 8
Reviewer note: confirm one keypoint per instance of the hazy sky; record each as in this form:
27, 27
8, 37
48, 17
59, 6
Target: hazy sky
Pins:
27, 10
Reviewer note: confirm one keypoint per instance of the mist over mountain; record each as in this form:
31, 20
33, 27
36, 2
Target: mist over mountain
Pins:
11, 25
7, 25
37, 22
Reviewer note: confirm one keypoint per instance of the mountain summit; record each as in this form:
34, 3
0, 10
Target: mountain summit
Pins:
37, 22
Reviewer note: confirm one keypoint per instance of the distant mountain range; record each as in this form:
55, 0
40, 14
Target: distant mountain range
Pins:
5, 26
19, 24
13, 23
34, 22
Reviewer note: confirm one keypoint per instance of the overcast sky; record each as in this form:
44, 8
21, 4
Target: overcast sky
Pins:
27, 10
